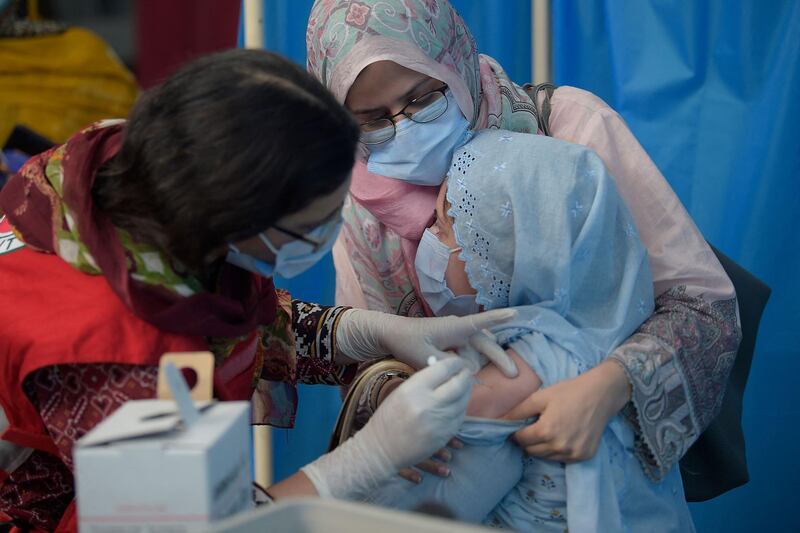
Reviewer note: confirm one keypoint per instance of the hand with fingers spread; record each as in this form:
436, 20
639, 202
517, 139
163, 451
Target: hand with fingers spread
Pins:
364, 335
572, 414
417, 419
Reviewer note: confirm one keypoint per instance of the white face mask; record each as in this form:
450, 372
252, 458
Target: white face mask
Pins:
294, 257
431, 264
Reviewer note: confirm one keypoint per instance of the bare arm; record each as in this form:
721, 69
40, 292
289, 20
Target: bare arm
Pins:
295, 486
495, 395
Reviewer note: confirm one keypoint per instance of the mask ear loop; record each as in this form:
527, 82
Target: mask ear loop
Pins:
268, 244
328, 229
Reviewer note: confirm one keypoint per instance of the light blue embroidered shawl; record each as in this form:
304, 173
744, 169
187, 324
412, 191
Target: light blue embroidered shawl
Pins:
544, 230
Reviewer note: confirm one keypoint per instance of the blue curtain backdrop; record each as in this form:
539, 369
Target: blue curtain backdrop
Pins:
712, 91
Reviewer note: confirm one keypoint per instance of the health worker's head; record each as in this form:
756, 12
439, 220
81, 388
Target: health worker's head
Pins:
234, 149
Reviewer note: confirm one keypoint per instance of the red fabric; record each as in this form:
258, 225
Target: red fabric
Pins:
235, 379
60, 316
171, 33
69, 521
242, 301
55, 315
71, 400
38, 492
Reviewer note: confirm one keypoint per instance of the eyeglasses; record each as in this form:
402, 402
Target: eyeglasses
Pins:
316, 237
425, 108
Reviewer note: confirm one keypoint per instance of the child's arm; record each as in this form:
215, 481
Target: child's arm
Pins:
495, 394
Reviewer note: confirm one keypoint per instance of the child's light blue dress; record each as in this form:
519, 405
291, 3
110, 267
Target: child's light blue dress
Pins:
544, 230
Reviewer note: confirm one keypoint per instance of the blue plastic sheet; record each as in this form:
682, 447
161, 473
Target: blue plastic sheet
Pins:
711, 89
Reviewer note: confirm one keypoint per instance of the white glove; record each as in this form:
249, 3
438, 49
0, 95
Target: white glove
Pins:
418, 418
363, 335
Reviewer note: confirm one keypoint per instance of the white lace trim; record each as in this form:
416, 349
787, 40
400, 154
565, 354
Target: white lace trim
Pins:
493, 285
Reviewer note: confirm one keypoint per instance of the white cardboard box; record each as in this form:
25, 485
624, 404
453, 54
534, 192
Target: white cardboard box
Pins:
142, 470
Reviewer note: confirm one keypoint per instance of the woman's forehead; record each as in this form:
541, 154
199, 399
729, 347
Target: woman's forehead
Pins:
318, 211
379, 83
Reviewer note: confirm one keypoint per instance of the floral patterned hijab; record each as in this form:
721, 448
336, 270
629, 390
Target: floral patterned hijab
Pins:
345, 36
428, 36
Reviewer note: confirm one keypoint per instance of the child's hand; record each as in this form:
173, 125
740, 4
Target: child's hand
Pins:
436, 465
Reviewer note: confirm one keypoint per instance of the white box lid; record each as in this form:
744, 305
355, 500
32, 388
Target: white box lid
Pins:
160, 421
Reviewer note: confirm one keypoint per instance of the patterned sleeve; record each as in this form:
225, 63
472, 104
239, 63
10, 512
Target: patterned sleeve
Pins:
315, 341
678, 364
299, 346
39, 492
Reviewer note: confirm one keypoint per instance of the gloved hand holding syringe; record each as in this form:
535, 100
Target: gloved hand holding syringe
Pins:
417, 419
365, 335
425, 411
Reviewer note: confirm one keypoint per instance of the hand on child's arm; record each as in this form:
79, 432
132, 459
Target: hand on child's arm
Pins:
572, 414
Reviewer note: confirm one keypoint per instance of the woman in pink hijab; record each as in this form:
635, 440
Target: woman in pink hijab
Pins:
393, 61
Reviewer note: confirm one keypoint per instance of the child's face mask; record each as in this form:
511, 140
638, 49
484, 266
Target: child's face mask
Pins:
431, 264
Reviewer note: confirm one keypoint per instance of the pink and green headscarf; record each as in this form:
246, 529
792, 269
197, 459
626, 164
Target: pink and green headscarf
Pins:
428, 36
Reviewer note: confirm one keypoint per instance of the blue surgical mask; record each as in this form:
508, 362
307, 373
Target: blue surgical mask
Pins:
292, 258
431, 264
420, 153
